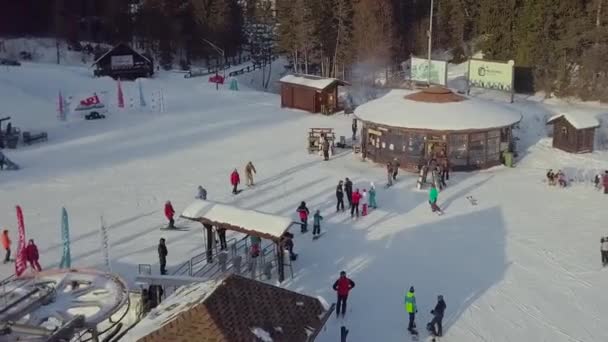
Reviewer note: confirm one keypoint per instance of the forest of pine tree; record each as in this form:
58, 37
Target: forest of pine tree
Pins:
565, 42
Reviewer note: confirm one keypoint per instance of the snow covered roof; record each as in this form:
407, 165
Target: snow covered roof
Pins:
238, 219
121, 45
310, 81
395, 110
580, 120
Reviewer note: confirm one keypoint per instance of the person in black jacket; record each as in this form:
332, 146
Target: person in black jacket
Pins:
162, 256
340, 197
348, 188
437, 313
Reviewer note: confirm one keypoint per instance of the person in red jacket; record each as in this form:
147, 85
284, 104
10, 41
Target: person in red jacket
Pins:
342, 286
169, 212
235, 180
31, 254
355, 207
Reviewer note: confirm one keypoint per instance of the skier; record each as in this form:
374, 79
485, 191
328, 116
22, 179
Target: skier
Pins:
605, 182
354, 129
355, 207
604, 251
433, 196
169, 212
202, 193
372, 196
437, 313
339, 197
32, 256
410, 307
316, 225
389, 174
162, 256
342, 286
6, 244
249, 171
395, 168
364, 205
348, 188
235, 180
303, 213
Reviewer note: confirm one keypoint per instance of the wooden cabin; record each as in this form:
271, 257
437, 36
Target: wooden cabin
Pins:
574, 132
123, 62
311, 93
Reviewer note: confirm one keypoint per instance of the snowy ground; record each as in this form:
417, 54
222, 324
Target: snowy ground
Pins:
522, 265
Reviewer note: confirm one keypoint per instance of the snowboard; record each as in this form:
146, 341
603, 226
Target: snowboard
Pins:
316, 237
472, 200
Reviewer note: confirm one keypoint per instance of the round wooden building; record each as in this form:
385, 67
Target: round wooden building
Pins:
435, 123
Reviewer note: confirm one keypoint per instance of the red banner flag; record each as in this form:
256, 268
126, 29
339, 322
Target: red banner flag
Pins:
20, 263
90, 101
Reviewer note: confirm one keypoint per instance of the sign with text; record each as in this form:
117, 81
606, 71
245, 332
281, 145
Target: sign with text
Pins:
122, 62
419, 71
491, 75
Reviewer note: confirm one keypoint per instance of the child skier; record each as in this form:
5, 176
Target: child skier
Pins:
372, 196
364, 201
433, 196
235, 180
303, 213
356, 201
169, 212
316, 226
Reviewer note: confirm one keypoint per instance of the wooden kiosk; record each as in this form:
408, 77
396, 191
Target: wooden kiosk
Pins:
574, 132
311, 93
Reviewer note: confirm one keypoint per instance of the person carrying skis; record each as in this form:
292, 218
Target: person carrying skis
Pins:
348, 188
355, 207
6, 244
372, 196
32, 256
303, 213
339, 197
169, 212
411, 309
389, 174
433, 196
249, 171
604, 251
235, 180
202, 193
342, 286
162, 256
437, 313
316, 225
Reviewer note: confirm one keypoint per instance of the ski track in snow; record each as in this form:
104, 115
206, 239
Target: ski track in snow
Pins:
522, 265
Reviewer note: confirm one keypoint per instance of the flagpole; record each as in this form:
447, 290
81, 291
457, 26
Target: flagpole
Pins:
430, 34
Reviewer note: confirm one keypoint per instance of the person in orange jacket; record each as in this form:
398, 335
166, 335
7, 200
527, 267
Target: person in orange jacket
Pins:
6, 244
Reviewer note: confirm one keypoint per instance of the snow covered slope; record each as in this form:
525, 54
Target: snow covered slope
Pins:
522, 265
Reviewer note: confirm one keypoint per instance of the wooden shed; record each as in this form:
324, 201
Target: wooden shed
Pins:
574, 132
311, 93
123, 62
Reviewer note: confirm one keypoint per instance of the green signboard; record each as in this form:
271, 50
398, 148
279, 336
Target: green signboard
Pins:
419, 71
491, 75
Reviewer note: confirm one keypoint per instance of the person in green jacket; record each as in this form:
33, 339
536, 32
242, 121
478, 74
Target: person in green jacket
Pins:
433, 195
316, 226
372, 197
410, 307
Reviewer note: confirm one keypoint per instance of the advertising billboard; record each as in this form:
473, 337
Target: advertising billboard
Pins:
491, 75
121, 62
419, 71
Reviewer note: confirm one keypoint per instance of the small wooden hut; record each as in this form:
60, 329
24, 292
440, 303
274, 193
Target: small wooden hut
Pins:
574, 132
311, 93
123, 62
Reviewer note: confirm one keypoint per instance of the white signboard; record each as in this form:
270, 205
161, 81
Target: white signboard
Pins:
419, 71
491, 75
120, 62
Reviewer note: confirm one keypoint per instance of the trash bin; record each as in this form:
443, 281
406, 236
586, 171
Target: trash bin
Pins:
508, 158
11, 141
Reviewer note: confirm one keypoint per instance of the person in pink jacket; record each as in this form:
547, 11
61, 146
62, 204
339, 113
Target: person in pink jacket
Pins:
31, 254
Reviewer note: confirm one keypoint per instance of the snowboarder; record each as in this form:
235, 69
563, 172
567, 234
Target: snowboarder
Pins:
389, 174
342, 286
410, 307
435, 326
202, 193
303, 213
6, 244
162, 256
316, 225
605, 182
433, 196
235, 180
221, 233
604, 251
364, 205
354, 129
372, 196
249, 171
348, 188
356, 200
32, 256
169, 212
339, 197
395, 168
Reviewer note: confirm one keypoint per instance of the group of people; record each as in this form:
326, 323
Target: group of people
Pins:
435, 326
235, 178
31, 251
303, 213
366, 198
601, 181
556, 178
